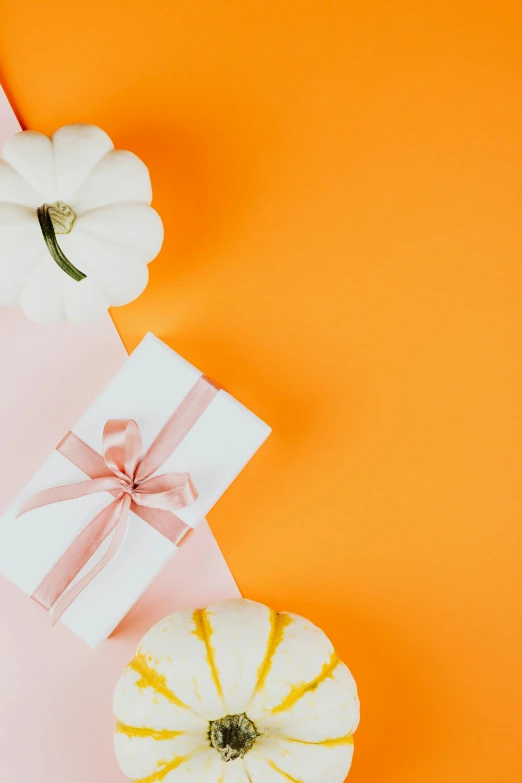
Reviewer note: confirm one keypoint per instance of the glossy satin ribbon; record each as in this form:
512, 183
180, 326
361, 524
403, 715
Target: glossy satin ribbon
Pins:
128, 477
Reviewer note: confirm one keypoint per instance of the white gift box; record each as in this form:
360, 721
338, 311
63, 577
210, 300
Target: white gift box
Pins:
148, 388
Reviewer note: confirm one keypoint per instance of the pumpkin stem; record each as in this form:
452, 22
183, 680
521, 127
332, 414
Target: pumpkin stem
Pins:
232, 736
55, 219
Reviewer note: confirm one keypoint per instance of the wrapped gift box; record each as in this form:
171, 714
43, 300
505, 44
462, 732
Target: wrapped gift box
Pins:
148, 388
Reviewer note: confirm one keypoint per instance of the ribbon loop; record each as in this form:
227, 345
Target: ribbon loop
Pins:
122, 447
169, 491
122, 472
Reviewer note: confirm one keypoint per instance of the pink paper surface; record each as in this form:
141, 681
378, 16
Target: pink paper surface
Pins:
56, 722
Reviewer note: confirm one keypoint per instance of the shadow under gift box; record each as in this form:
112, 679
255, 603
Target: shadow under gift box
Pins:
148, 388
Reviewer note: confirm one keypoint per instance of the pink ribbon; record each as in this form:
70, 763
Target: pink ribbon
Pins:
128, 477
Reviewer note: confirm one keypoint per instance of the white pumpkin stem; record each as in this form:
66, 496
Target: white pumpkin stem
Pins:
55, 219
232, 736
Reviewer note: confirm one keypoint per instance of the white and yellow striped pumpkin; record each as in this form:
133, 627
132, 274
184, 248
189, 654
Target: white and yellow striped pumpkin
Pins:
235, 693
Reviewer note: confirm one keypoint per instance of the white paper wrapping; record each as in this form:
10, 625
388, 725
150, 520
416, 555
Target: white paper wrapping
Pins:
148, 388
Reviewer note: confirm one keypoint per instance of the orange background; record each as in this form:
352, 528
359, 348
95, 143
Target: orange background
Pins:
341, 189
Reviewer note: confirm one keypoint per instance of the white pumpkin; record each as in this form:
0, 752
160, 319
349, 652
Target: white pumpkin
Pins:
76, 226
235, 693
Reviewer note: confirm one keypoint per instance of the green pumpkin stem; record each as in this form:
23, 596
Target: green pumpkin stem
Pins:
58, 218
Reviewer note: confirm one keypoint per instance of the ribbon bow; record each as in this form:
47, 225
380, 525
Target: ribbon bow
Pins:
128, 477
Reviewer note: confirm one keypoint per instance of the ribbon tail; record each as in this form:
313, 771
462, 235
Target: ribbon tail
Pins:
54, 585
72, 594
70, 492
